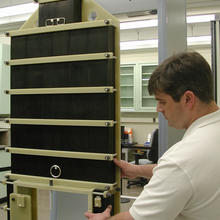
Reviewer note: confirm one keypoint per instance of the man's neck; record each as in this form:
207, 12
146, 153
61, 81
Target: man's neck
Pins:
203, 109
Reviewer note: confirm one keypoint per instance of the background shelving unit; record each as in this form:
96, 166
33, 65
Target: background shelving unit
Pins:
127, 73
148, 102
134, 82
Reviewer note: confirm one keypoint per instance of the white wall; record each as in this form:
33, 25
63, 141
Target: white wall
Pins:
4, 79
143, 124
141, 127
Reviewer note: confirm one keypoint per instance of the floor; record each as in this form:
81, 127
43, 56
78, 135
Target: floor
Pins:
44, 201
134, 191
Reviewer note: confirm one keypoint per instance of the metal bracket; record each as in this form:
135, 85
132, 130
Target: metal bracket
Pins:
60, 59
67, 90
59, 122
55, 21
20, 207
60, 153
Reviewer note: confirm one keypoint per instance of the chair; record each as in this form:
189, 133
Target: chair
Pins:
150, 158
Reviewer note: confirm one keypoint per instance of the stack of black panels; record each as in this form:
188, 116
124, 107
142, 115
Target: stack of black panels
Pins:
85, 106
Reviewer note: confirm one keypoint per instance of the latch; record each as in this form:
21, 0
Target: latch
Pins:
20, 206
55, 21
98, 202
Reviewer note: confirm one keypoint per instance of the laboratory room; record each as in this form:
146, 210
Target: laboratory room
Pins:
91, 117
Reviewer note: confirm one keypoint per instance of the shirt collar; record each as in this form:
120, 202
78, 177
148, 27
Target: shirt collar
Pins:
203, 121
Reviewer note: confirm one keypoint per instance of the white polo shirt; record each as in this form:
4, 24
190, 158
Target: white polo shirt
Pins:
186, 183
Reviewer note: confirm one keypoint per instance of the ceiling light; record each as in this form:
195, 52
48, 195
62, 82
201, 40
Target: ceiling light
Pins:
138, 24
14, 19
18, 10
199, 40
139, 44
146, 44
200, 18
154, 22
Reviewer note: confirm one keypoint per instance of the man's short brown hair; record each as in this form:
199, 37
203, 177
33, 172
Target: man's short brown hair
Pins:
182, 72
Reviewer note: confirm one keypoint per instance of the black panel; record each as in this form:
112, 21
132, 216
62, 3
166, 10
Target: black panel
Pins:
84, 73
82, 41
69, 9
64, 106
66, 138
75, 169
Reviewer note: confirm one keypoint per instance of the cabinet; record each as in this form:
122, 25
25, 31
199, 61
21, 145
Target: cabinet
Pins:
127, 73
4, 160
147, 102
4, 79
134, 82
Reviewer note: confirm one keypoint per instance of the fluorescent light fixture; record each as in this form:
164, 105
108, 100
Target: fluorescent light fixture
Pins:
154, 22
18, 10
146, 44
200, 18
139, 44
138, 24
200, 40
13, 19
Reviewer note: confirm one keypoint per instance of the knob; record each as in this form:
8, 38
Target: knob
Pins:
55, 171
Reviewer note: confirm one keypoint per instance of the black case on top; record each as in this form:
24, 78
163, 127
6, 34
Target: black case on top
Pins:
69, 10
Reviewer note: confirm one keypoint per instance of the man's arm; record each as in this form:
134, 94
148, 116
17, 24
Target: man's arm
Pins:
128, 170
132, 171
106, 215
122, 216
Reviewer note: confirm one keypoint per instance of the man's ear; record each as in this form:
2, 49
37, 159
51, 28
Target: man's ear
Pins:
189, 98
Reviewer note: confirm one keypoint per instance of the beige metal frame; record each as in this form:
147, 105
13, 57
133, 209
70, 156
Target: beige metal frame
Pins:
24, 184
20, 206
63, 27
59, 122
66, 154
27, 185
61, 59
67, 90
46, 1
59, 183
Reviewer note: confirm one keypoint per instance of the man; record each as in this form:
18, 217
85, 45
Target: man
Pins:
185, 184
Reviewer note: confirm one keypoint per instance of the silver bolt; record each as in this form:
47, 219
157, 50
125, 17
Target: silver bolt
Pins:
107, 124
107, 21
107, 55
107, 90
107, 157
